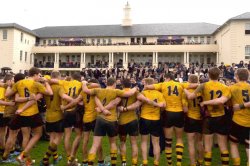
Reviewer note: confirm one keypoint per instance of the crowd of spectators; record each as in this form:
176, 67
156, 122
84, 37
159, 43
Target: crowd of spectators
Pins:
136, 72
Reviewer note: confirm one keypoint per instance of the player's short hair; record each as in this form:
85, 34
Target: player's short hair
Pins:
243, 74
149, 81
126, 83
55, 74
33, 71
7, 77
111, 81
192, 78
76, 76
214, 73
18, 77
93, 80
169, 76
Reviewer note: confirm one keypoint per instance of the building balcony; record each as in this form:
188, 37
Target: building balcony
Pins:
44, 65
127, 48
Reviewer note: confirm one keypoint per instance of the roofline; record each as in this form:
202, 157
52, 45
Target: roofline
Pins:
228, 22
19, 27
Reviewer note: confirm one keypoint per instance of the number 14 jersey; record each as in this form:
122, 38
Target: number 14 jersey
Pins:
172, 92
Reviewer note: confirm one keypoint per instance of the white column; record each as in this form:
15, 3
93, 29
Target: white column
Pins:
217, 59
124, 60
83, 64
156, 59
56, 61
185, 58
32, 59
111, 60
125, 63
153, 61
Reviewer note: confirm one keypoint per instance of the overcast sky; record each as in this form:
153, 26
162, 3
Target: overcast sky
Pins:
36, 14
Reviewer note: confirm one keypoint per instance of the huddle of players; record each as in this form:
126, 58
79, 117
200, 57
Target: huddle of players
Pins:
101, 117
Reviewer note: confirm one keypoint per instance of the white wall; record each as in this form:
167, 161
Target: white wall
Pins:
6, 48
25, 47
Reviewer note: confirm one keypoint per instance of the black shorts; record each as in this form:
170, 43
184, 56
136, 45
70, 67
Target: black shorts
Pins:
103, 127
4, 121
192, 125
218, 125
152, 127
130, 129
55, 127
240, 132
26, 121
70, 119
90, 126
173, 119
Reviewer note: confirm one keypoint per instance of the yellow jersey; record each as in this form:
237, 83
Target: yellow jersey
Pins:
24, 88
89, 108
240, 94
128, 116
172, 92
106, 96
53, 112
2, 97
148, 111
212, 90
71, 88
47, 77
193, 105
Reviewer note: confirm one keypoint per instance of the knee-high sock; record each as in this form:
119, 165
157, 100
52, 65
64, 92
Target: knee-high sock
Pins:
236, 161
52, 147
208, 158
113, 155
179, 153
91, 159
225, 158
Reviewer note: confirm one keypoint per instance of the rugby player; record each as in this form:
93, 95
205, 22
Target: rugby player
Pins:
215, 121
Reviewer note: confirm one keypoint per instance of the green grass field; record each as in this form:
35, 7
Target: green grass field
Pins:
39, 150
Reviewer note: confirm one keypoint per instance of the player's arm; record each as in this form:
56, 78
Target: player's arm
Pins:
237, 107
112, 104
149, 87
11, 89
132, 106
129, 93
48, 90
44, 88
30, 98
53, 81
104, 110
217, 101
184, 102
2, 84
7, 103
193, 95
30, 101
86, 89
193, 86
93, 85
144, 99
66, 97
72, 103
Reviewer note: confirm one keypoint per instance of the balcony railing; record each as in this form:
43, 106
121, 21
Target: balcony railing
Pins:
44, 65
123, 43
69, 65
